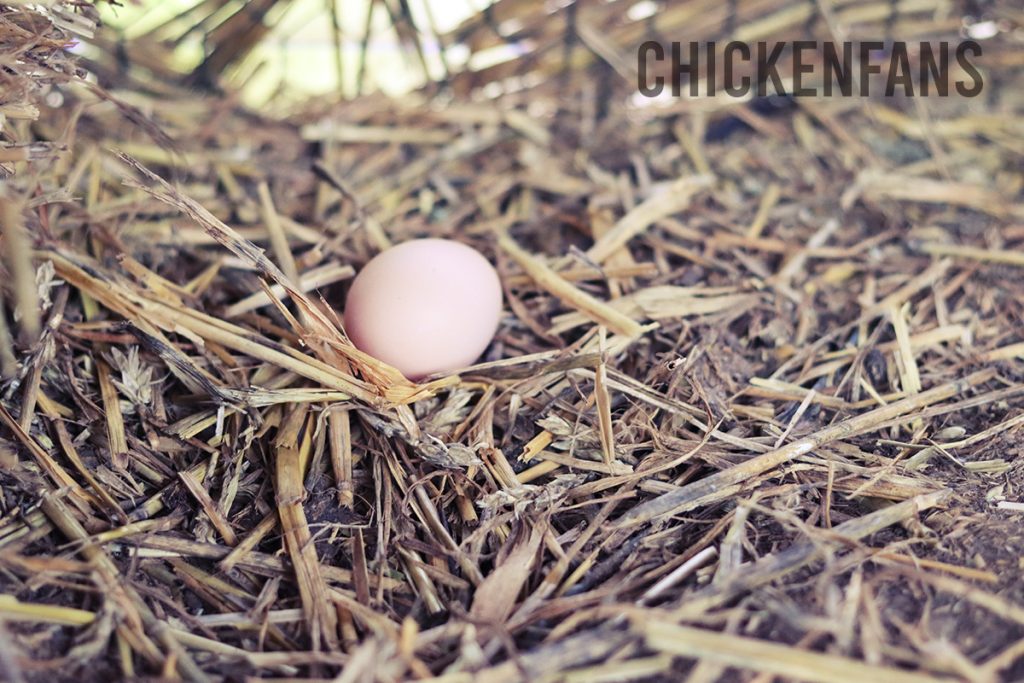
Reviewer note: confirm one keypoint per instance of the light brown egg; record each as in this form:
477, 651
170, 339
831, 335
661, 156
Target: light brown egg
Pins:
425, 306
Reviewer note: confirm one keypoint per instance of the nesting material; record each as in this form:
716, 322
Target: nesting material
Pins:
753, 407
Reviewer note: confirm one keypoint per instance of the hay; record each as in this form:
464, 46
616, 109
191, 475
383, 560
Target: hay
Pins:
752, 413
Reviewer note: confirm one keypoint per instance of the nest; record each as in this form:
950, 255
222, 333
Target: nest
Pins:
753, 411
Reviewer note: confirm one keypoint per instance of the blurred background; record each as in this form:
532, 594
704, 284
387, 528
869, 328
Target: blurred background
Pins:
312, 47
275, 52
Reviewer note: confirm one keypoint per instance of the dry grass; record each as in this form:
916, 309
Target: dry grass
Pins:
753, 412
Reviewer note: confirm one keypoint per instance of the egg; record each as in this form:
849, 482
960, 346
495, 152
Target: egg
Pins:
424, 306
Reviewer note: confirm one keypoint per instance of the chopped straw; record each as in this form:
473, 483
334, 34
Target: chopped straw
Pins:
753, 409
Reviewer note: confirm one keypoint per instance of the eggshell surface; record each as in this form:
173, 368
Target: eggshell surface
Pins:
424, 306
